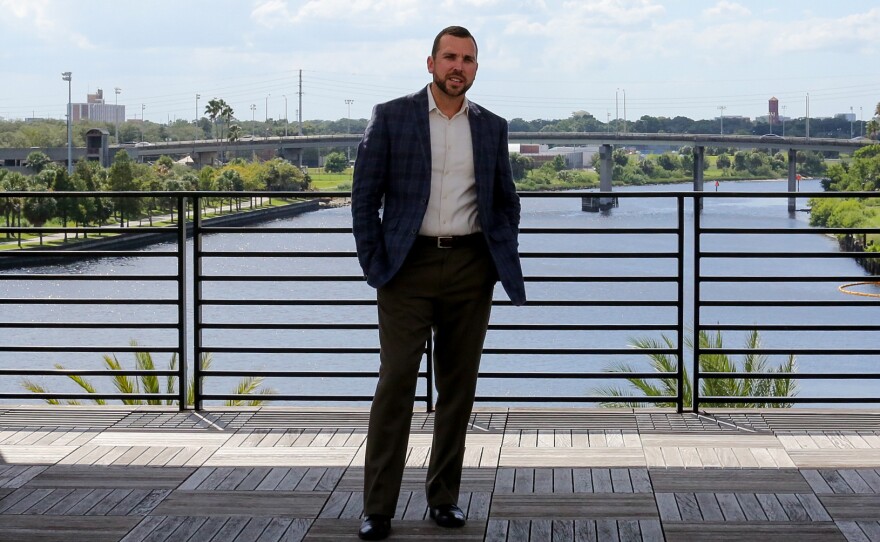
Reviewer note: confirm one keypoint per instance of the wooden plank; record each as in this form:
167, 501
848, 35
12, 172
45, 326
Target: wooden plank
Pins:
620, 481
208, 529
27, 500
856, 482
524, 481
852, 507
108, 502
574, 506
772, 507
297, 530
562, 530
730, 507
606, 531
741, 480
88, 502
66, 528
243, 503
709, 507
668, 507
496, 530
563, 481
813, 507
541, 529
602, 481
583, 480
852, 531
144, 528
778, 532
543, 481
252, 529
688, 507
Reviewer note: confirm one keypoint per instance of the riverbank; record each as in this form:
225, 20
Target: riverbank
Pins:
134, 240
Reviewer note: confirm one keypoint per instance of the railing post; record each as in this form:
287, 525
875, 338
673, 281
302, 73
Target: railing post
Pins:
695, 384
680, 330
197, 302
182, 313
792, 179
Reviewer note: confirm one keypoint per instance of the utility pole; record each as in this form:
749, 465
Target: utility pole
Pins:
67, 76
808, 115
285, 114
267, 115
616, 112
253, 120
722, 108
197, 107
624, 110
852, 120
300, 110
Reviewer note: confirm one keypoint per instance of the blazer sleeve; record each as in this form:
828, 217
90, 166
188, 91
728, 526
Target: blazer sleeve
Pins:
505, 195
368, 187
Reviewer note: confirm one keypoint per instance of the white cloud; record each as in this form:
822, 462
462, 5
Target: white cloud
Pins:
272, 13
40, 15
724, 8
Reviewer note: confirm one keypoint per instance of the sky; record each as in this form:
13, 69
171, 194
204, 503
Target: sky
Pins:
538, 59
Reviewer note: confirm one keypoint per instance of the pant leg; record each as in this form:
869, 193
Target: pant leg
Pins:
462, 318
405, 317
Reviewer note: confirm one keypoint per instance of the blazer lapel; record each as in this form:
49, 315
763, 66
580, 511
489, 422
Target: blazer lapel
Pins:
420, 105
476, 120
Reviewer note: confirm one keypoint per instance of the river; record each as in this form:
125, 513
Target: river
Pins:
635, 213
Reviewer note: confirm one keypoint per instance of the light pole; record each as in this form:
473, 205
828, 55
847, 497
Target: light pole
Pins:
783, 121
143, 106
852, 120
117, 90
808, 115
197, 107
253, 119
624, 109
267, 115
67, 76
722, 108
285, 114
616, 112
348, 127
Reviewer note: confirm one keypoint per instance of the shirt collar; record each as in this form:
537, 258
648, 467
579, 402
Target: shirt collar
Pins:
432, 105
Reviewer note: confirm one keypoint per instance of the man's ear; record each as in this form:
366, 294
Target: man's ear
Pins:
430, 64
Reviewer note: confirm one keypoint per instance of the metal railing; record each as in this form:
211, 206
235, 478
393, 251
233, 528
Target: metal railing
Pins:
296, 310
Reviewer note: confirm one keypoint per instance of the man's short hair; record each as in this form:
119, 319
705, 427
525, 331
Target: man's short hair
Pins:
458, 32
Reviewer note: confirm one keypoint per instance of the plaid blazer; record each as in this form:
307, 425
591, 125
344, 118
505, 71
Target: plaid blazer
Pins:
393, 169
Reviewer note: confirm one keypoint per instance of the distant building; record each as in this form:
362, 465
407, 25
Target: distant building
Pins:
95, 109
575, 157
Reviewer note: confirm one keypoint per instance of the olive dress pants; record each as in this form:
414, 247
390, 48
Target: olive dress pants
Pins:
447, 292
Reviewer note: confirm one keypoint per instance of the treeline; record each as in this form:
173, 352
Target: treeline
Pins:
862, 174
633, 168
126, 175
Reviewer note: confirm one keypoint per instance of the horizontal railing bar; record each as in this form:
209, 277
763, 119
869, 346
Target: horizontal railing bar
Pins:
291, 397
779, 231
360, 302
110, 230
94, 396
90, 253
80, 301
273, 230
790, 278
795, 399
786, 255
481, 398
87, 372
375, 350
576, 399
276, 254
790, 327
508, 327
602, 255
138, 348
88, 325
491, 374
530, 231
360, 278
126, 278
805, 303
788, 351
793, 376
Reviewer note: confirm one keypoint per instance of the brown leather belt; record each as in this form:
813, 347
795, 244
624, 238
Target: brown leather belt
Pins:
455, 241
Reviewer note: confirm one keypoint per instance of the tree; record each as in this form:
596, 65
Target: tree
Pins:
149, 384
723, 161
620, 157
335, 162
720, 387
37, 161
39, 209
213, 109
668, 161
121, 179
520, 165
235, 132
558, 163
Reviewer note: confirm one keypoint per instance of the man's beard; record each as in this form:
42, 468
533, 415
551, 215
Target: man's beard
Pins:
441, 84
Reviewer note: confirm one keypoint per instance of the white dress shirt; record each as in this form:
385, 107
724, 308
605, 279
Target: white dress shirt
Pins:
452, 206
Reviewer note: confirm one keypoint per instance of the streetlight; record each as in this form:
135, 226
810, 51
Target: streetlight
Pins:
285, 114
197, 107
267, 115
852, 120
253, 119
722, 108
117, 90
861, 122
783, 121
348, 128
616, 112
143, 106
624, 109
67, 76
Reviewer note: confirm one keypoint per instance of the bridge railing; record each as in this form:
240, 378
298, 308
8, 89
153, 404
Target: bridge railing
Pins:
287, 304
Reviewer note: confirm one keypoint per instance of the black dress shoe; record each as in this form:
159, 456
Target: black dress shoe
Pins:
447, 515
375, 527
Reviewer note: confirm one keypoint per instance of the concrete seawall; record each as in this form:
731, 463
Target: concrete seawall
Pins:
134, 240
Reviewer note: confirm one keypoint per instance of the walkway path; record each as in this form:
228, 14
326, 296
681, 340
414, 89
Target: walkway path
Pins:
273, 474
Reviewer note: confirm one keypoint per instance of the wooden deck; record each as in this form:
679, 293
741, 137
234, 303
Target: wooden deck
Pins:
282, 474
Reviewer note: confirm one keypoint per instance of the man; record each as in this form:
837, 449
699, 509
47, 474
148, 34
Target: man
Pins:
448, 231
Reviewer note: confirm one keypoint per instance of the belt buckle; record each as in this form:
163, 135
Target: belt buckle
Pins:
444, 242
